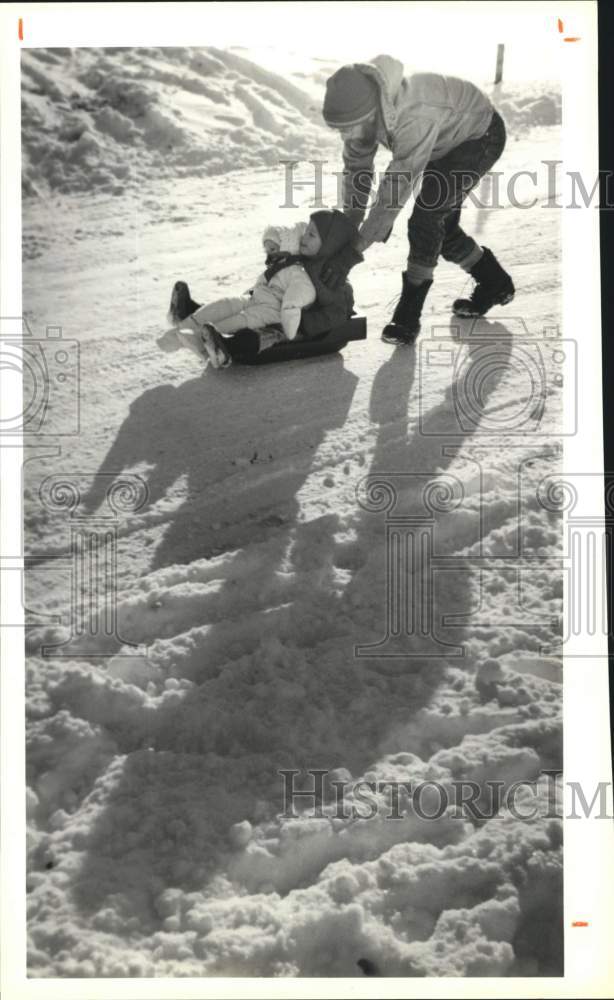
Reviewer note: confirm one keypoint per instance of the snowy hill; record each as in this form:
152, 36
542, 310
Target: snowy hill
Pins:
251, 570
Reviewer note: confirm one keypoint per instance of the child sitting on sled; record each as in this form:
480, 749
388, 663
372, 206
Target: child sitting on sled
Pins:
288, 300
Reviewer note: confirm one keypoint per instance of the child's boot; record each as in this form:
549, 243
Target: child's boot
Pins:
404, 326
182, 304
494, 287
214, 345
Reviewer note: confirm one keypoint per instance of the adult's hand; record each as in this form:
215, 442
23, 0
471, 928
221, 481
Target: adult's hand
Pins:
337, 269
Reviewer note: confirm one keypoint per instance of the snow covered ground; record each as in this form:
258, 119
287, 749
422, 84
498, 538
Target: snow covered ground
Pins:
252, 569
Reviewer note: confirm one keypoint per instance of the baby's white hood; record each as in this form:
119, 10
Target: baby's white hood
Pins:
288, 237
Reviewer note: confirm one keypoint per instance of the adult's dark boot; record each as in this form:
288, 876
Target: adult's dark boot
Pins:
494, 287
404, 326
182, 304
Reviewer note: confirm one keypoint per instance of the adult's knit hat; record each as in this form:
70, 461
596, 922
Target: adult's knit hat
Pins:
351, 97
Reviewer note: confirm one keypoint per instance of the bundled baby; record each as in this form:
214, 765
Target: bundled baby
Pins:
273, 308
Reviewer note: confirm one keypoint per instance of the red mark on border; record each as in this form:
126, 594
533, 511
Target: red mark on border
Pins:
569, 38
580, 923
20, 29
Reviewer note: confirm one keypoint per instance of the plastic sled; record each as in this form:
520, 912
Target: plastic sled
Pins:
328, 343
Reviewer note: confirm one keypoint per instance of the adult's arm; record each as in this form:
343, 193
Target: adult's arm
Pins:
358, 157
412, 148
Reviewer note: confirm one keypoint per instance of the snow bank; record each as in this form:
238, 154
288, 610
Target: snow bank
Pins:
526, 106
107, 119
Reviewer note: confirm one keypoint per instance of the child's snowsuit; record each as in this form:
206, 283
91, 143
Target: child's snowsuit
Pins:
331, 306
278, 299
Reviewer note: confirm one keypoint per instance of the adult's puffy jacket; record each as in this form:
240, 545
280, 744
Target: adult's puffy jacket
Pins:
420, 118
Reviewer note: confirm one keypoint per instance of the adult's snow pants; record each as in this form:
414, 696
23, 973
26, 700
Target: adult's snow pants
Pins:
434, 224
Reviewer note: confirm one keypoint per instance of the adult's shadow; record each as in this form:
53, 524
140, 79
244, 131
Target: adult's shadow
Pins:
235, 443
408, 506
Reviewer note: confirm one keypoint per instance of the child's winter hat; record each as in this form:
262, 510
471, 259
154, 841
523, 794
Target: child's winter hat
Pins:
323, 220
351, 97
287, 238
271, 233
335, 229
